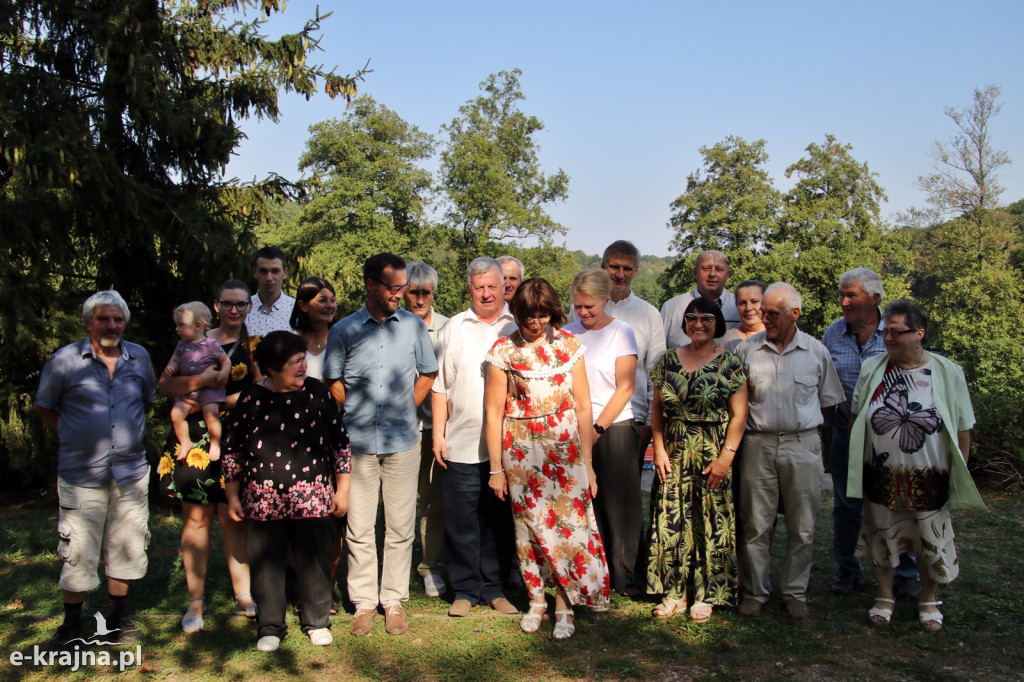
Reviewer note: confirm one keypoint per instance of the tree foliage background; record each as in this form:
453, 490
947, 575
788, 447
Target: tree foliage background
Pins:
117, 121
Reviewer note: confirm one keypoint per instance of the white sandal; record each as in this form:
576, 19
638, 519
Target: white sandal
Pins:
880, 616
931, 621
530, 623
563, 628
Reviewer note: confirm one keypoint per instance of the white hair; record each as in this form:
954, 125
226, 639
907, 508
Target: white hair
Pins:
787, 292
481, 266
420, 274
104, 298
512, 259
868, 280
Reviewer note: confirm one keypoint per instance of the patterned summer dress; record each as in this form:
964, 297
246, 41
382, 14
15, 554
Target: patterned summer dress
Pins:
906, 483
693, 528
557, 540
196, 479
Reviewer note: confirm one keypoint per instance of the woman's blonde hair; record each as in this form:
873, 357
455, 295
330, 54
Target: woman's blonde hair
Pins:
594, 283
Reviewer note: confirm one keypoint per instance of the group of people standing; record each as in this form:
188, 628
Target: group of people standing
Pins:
523, 438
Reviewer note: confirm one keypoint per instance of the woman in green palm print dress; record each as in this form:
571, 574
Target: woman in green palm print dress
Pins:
698, 416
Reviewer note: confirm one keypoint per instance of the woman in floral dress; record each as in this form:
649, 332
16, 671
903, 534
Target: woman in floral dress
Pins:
539, 431
197, 481
698, 417
287, 464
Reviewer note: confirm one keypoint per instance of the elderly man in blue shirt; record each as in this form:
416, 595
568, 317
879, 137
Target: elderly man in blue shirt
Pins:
380, 365
95, 393
851, 340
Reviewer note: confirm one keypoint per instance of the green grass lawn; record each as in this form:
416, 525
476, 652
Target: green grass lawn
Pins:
983, 638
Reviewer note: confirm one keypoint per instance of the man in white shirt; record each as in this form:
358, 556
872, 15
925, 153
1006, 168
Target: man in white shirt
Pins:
711, 273
793, 390
271, 309
477, 526
419, 298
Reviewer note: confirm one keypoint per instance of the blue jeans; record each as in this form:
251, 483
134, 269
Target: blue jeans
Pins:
478, 538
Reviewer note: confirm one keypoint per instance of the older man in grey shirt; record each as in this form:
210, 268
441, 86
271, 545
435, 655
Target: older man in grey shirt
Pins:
793, 388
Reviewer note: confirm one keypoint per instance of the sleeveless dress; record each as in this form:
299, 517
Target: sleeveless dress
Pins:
693, 528
196, 479
557, 541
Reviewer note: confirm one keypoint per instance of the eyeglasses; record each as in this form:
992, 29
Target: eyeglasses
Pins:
771, 315
543, 319
392, 288
234, 305
896, 333
706, 318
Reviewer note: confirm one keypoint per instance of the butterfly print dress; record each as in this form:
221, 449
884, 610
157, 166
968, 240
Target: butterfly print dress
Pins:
557, 540
906, 481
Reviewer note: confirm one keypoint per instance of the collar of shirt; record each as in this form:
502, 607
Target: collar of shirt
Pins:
799, 340
697, 294
364, 316
86, 350
257, 303
878, 330
505, 316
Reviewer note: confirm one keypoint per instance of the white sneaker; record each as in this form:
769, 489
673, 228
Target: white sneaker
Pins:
321, 637
434, 585
268, 643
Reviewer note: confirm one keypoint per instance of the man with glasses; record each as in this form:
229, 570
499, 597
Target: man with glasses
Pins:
479, 541
793, 388
379, 366
850, 340
419, 299
271, 308
711, 272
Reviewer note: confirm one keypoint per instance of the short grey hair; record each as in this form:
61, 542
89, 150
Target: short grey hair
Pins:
787, 292
420, 274
512, 259
868, 280
104, 298
481, 266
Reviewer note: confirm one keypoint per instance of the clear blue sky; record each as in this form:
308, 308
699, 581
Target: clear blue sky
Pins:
629, 92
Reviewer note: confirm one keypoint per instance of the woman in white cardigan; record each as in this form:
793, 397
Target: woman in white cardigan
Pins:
909, 444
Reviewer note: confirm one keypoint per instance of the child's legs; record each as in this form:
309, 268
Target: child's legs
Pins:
179, 420
211, 415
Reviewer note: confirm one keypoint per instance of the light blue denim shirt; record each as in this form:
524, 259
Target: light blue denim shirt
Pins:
101, 420
848, 355
378, 364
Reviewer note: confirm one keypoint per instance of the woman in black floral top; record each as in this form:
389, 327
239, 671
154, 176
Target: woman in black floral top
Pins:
287, 462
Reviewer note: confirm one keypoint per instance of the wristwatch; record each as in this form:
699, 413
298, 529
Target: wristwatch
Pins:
599, 429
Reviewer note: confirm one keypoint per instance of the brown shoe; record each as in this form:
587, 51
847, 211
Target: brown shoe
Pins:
502, 605
362, 622
395, 622
460, 608
750, 607
797, 609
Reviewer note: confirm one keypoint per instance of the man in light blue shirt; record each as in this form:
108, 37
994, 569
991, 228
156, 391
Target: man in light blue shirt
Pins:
380, 365
851, 340
95, 393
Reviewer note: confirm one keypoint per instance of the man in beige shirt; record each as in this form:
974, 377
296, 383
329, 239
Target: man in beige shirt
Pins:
793, 388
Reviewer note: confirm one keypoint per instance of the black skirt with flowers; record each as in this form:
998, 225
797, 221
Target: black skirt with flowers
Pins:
195, 478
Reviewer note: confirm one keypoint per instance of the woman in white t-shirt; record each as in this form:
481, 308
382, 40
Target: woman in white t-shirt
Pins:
611, 356
312, 317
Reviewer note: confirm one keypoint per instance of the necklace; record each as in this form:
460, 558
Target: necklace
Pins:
919, 362
539, 341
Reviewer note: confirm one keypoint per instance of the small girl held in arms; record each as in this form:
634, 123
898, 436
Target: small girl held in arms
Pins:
194, 354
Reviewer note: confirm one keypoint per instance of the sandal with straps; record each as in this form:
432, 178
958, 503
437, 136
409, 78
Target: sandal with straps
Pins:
931, 621
563, 628
881, 616
190, 624
668, 607
700, 612
530, 623
249, 611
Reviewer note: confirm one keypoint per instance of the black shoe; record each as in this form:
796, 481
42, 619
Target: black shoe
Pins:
126, 629
66, 633
845, 584
907, 588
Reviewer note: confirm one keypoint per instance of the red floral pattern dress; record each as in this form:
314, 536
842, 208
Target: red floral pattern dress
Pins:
557, 540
